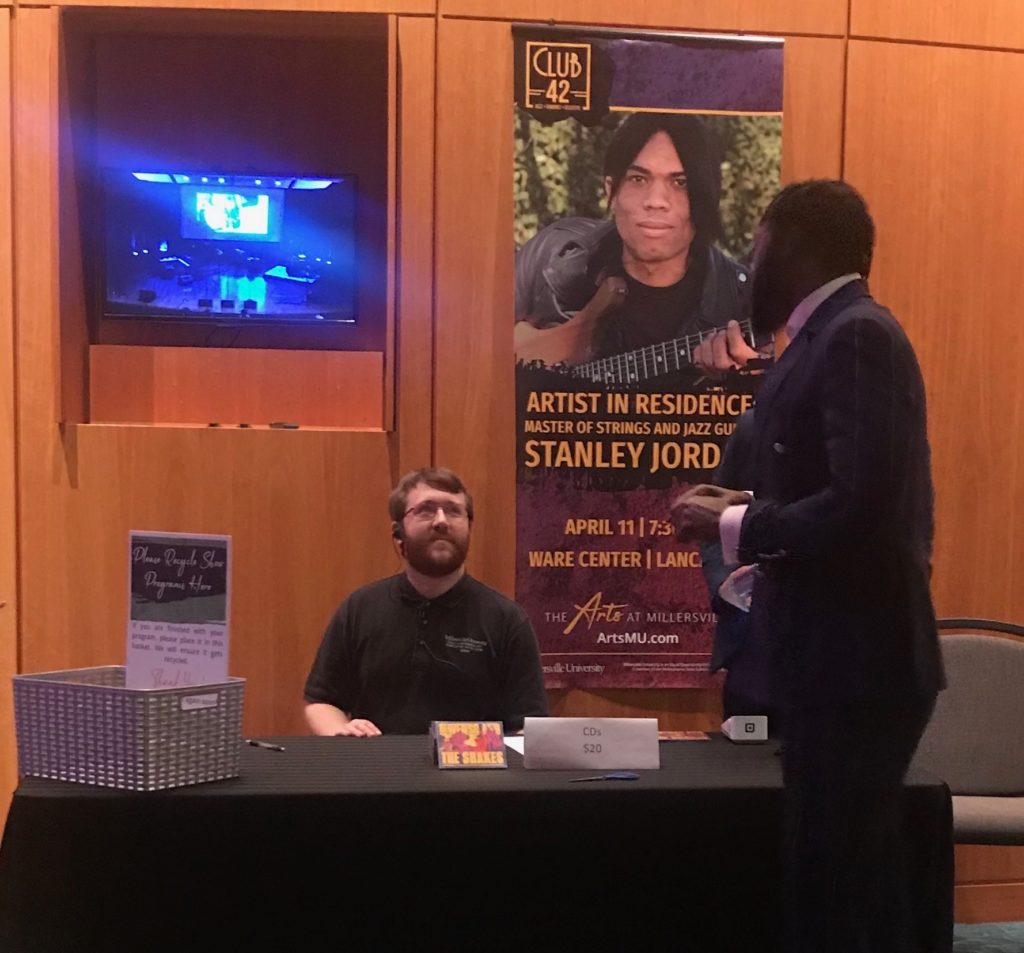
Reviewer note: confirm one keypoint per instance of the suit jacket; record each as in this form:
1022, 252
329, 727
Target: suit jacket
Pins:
842, 520
736, 472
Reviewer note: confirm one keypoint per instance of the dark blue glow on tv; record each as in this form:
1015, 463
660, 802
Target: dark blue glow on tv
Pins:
229, 247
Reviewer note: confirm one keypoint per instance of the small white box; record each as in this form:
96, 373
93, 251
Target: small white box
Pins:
746, 729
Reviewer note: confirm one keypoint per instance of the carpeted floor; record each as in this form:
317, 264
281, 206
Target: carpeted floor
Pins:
988, 938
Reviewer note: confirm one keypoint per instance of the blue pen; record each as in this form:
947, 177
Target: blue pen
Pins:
614, 776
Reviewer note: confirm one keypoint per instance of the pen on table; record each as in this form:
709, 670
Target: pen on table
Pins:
614, 776
256, 743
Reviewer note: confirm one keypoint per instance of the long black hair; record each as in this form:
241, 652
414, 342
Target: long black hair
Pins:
698, 151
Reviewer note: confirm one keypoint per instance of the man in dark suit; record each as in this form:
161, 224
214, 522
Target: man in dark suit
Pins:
840, 527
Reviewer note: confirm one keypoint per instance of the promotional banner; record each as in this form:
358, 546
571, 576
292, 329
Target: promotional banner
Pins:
643, 165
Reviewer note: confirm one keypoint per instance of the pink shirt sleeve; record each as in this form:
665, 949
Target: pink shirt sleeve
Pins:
729, 531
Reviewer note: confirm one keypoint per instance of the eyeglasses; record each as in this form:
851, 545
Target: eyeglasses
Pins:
427, 510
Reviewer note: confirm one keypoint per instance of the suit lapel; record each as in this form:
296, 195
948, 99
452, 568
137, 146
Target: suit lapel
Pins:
824, 313
777, 374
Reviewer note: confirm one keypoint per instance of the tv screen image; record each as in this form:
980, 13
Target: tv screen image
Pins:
239, 213
229, 248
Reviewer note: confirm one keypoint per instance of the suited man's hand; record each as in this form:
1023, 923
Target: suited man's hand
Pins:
697, 512
723, 351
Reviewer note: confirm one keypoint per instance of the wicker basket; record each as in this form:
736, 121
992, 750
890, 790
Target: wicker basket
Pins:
84, 725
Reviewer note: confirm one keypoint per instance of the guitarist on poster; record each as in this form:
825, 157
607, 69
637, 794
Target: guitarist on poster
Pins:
628, 299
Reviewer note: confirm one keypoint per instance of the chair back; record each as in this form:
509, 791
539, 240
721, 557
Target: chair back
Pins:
973, 741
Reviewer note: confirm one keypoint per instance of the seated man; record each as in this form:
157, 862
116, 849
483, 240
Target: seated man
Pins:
430, 643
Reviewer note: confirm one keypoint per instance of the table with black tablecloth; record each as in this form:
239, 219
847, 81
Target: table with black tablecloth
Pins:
358, 844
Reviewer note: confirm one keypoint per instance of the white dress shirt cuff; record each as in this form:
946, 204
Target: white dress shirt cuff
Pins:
729, 531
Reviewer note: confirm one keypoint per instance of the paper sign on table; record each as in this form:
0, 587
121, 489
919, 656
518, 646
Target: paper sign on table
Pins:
595, 744
178, 610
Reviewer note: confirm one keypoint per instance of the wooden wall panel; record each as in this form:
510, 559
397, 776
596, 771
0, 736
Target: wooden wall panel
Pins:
425, 7
35, 206
415, 272
933, 140
136, 384
391, 146
770, 16
73, 356
988, 902
995, 23
306, 512
978, 863
36, 353
812, 108
474, 396
8, 508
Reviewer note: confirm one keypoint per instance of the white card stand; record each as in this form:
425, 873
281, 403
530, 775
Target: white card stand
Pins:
592, 744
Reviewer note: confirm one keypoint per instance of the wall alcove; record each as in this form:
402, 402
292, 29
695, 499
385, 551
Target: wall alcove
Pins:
188, 93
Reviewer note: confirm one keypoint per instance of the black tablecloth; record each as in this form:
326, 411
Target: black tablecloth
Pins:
363, 845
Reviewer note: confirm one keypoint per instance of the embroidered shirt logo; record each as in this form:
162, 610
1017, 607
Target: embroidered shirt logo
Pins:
466, 645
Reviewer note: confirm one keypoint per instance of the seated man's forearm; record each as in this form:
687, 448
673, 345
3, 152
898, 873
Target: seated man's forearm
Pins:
324, 719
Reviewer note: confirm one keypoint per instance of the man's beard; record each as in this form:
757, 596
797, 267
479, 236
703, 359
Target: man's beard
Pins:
421, 557
771, 298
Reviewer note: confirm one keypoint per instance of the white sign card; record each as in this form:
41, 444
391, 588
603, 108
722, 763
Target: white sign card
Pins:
598, 744
178, 599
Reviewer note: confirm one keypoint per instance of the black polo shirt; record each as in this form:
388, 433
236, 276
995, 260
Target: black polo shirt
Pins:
401, 661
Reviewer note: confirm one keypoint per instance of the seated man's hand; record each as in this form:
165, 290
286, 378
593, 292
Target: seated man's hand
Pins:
358, 728
724, 351
697, 512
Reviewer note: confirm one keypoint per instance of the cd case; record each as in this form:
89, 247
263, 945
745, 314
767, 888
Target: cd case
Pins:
469, 744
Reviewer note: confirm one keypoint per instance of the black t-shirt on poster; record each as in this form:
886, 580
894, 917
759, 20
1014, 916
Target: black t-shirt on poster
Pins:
651, 315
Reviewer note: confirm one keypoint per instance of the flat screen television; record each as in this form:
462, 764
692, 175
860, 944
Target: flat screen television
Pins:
229, 248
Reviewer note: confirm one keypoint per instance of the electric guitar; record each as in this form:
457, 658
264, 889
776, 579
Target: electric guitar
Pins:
571, 342
633, 367
567, 347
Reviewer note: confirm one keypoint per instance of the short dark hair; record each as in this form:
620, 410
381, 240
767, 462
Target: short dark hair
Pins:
439, 478
830, 223
698, 151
